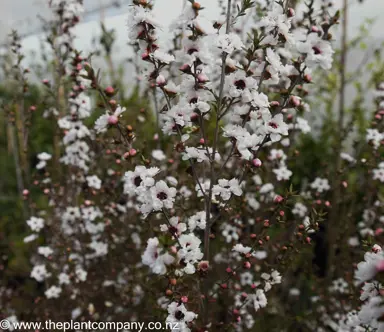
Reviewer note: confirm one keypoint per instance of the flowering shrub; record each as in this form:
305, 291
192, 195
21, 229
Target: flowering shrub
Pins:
199, 212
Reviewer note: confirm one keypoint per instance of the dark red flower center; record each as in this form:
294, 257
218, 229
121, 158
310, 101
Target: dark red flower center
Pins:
137, 181
179, 315
316, 50
162, 196
273, 125
240, 85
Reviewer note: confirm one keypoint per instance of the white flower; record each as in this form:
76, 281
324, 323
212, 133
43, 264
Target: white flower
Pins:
175, 227
339, 286
366, 270
43, 157
179, 317
241, 86
229, 42
378, 174
276, 24
226, 188
260, 100
259, 299
230, 233
197, 220
246, 278
300, 209
163, 57
100, 248
282, 173
302, 124
53, 292
277, 154
307, 225
320, 185
318, 51
64, 279
189, 253
36, 224
30, 238
103, 121
141, 179
40, 273
81, 274
94, 182
158, 155
347, 157
162, 196
153, 257
241, 249
45, 251
277, 127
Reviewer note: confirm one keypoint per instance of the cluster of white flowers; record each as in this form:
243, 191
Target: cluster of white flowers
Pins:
77, 151
152, 196
368, 317
43, 158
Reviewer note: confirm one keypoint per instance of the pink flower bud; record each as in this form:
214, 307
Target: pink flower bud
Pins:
228, 270
274, 103
174, 250
202, 78
308, 78
203, 266
295, 101
291, 12
184, 299
315, 29
278, 199
145, 56
32, 108
132, 152
185, 68
380, 266
109, 91
256, 162
160, 80
112, 120
379, 231
247, 265
25, 192
202, 141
